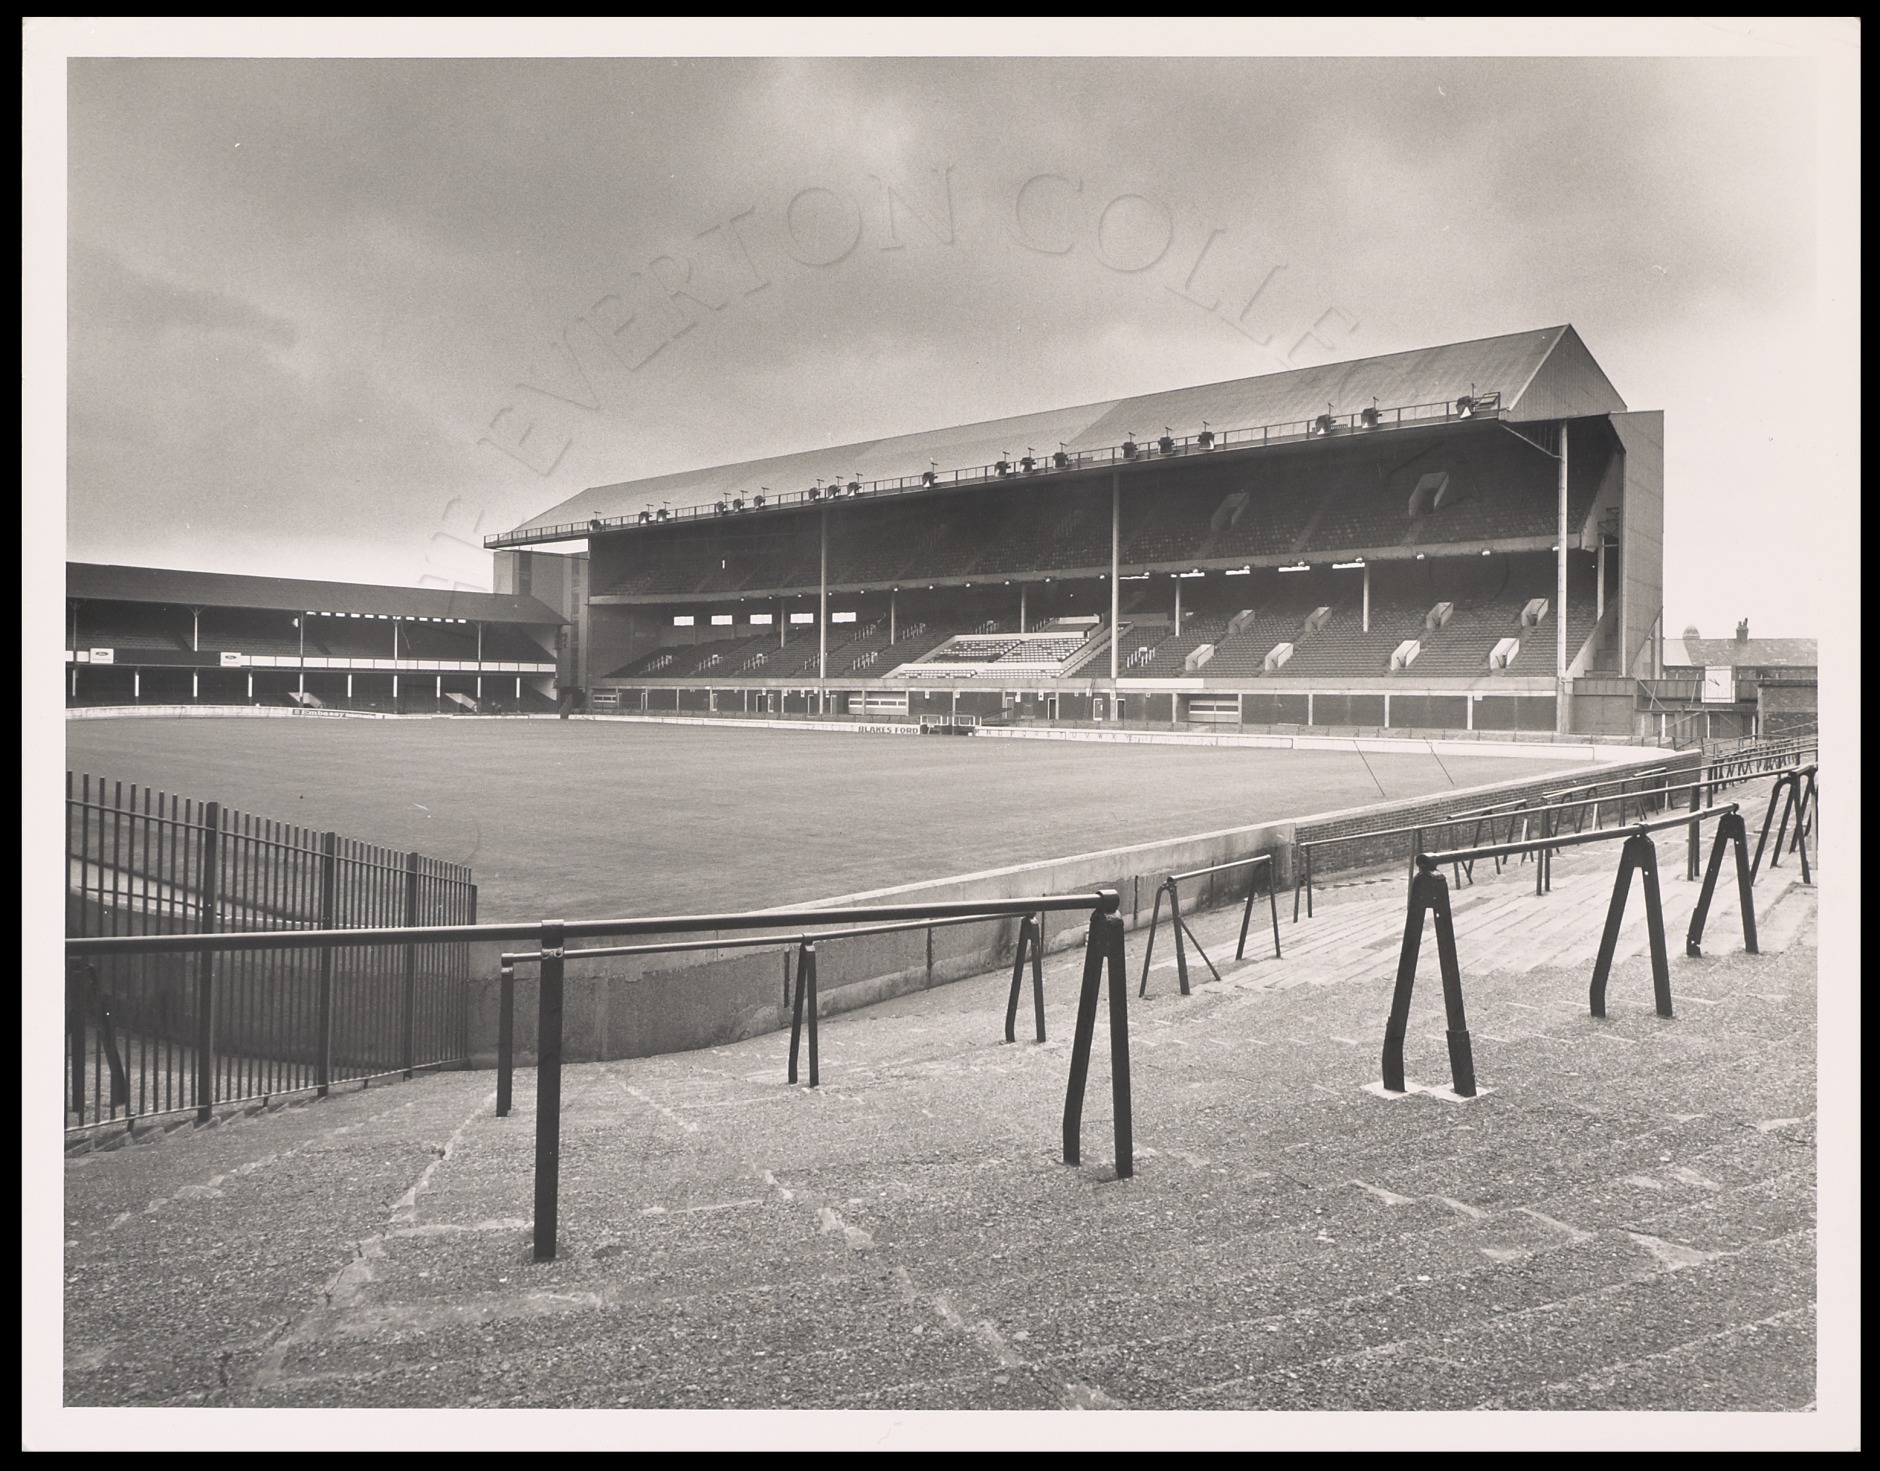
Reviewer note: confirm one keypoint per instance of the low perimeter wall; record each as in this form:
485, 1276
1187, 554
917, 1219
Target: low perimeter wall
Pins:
641, 1006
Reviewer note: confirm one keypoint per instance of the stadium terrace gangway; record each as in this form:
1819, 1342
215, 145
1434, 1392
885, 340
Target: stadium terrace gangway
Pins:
1429, 895
1030, 466
1104, 968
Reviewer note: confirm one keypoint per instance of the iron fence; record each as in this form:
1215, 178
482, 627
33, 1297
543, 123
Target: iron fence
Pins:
151, 1033
1628, 797
1104, 967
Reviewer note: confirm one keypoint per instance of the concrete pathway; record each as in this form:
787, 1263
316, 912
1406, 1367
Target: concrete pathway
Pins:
1624, 1220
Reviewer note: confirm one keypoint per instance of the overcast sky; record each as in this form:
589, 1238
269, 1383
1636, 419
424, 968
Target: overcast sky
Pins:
343, 318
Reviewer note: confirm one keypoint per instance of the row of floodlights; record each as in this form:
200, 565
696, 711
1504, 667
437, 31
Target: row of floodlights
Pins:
1466, 407
1028, 463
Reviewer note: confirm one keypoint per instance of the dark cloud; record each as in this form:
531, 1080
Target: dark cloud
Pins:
327, 278
195, 425
144, 309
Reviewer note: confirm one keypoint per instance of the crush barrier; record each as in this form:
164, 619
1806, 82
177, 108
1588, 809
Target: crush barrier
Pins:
1029, 949
1644, 789
1171, 888
1803, 805
1103, 951
1429, 896
1594, 801
1762, 758
1103, 961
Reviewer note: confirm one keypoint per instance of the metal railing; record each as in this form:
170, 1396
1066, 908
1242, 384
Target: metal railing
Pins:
1803, 805
1027, 467
804, 944
1429, 896
1104, 967
150, 1033
1642, 792
1170, 886
1519, 815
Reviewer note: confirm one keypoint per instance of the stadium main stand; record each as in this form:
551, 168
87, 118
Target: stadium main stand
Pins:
1404, 540
147, 636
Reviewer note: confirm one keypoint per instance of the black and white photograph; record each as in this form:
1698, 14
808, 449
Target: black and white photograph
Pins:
927, 733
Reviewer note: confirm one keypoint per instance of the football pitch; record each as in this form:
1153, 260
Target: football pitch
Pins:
583, 819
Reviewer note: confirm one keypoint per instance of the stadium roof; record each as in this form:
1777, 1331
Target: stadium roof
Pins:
1753, 653
1546, 374
177, 588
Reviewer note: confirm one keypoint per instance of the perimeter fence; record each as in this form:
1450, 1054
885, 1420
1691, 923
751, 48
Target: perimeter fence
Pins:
149, 1033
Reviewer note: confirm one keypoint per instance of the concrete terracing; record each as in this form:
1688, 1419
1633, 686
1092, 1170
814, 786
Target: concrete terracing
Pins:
1624, 1219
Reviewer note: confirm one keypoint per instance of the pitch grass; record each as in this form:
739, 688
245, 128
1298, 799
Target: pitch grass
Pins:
578, 818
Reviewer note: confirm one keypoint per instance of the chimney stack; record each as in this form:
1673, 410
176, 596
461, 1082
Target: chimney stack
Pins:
1742, 632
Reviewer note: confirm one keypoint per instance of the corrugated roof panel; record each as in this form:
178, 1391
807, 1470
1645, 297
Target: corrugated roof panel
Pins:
1507, 365
874, 459
177, 587
1567, 384
1399, 379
